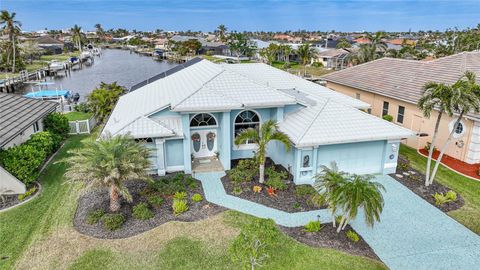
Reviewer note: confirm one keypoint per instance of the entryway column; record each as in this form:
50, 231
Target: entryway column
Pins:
226, 141
187, 151
160, 146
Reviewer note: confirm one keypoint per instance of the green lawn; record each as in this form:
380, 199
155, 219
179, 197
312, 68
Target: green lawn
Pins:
469, 214
40, 235
76, 116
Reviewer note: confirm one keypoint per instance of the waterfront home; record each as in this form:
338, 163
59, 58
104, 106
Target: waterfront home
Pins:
191, 118
49, 44
394, 86
21, 117
210, 47
333, 58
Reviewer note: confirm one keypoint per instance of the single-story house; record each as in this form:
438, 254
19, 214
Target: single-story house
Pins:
335, 59
21, 117
207, 46
50, 44
194, 114
394, 86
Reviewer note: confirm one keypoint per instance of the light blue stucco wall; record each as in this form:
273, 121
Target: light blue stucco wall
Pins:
174, 152
277, 152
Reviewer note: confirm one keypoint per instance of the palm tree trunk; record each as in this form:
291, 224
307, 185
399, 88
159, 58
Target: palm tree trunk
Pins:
13, 47
432, 146
339, 228
114, 199
444, 148
262, 173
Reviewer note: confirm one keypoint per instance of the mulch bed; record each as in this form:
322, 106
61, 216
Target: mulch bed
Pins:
415, 181
163, 214
285, 200
328, 237
12, 200
458, 165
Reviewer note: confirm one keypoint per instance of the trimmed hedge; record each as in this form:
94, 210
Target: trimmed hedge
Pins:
57, 123
23, 162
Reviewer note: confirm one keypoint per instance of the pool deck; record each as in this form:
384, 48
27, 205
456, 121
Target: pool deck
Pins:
412, 233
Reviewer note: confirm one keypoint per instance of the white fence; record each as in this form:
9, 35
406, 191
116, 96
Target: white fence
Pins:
82, 126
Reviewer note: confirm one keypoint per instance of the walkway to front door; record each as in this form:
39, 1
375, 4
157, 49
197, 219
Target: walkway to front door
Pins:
412, 233
207, 164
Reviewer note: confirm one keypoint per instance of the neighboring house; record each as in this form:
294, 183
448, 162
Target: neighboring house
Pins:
214, 48
394, 86
335, 59
21, 117
50, 44
194, 114
9, 184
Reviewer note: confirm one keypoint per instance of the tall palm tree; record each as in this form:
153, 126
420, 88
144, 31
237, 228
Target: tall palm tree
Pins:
435, 96
77, 36
222, 32
359, 192
109, 163
286, 51
465, 99
270, 52
306, 53
268, 132
11, 27
327, 182
99, 31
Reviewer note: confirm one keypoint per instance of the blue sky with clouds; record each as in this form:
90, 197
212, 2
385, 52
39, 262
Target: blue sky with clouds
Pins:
268, 15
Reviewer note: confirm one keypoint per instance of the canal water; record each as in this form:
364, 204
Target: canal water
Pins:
121, 66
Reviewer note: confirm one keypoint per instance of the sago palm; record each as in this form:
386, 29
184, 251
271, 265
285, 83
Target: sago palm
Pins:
359, 192
435, 96
109, 163
268, 132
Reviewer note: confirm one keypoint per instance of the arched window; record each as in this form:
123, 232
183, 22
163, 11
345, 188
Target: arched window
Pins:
245, 120
203, 120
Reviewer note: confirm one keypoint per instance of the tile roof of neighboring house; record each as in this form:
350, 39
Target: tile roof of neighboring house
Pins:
332, 53
17, 113
404, 79
400, 41
362, 40
205, 86
47, 40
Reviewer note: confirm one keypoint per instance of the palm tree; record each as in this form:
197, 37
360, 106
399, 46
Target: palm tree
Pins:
109, 163
268, 132
369, 52
222, 32
306, 53
11, 27
327, 182
359, 192
286, 51
102, 99
270, 52
465, 99
435, 96
77, 36
99, 31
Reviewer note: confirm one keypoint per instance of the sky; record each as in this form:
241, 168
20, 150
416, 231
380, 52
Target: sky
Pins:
240, 15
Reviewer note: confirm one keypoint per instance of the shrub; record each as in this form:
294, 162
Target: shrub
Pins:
388, 117
317, 64
179, 206
191, 182
27, 194
276, 179
415, 177
113, 222
353, 236
313, 226
23, 162
155, 200
338, 219
245, 171
42, 141
427, 147
180, 195
168, 185
237, 190
316, 200
142, 212
197, 197
441, 198
57, 123
403, 164
94, 216
257, 189
296, 205
81, 107
304, 191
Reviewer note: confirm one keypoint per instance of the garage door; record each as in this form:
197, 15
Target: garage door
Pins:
360, 158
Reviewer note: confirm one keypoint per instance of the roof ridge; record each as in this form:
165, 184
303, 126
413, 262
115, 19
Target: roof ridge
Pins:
314, 119
196, 91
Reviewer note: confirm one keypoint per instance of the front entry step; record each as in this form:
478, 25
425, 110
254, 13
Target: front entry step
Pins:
208, 164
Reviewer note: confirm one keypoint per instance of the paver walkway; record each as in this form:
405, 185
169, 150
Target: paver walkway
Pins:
412, 233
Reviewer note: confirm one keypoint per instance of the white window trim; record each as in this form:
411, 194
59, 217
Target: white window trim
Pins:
202, 127
457, 135
247, 146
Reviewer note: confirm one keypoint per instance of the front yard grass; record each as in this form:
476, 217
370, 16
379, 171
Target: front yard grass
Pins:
40, 235
77, 116
469, 214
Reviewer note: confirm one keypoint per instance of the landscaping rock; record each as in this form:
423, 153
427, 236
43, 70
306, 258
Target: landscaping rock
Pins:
399, 175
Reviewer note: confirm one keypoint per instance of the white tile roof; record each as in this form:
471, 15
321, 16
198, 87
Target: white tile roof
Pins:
327, 118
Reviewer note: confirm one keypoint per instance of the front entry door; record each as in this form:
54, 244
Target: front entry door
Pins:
204, 143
